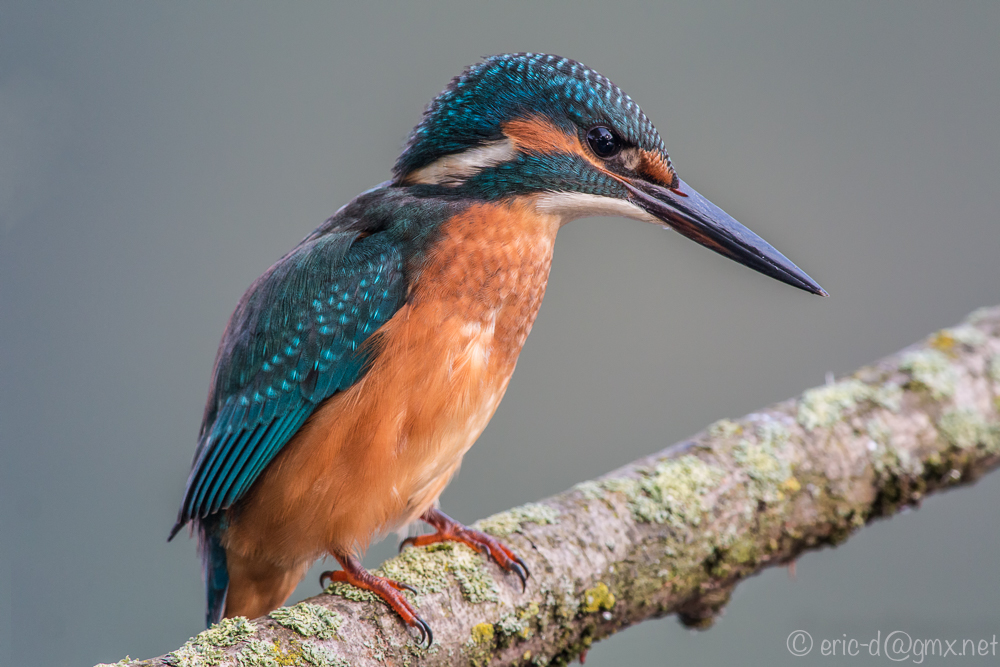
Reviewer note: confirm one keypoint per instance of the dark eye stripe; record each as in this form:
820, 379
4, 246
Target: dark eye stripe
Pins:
603, 142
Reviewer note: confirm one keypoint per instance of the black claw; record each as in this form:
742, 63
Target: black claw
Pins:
404, 543
521, 572
524, 566
325, 575
426, 636
408, 587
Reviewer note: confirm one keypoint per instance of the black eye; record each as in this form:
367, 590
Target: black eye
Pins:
603, 141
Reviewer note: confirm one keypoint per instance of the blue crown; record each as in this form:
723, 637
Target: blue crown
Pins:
473, 108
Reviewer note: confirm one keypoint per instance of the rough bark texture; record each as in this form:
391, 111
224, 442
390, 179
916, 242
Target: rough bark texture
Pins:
672, 533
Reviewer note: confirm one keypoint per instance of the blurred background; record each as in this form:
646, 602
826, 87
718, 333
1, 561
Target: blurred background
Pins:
156, 157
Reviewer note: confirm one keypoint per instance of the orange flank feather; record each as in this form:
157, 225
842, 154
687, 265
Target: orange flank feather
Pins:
375, 457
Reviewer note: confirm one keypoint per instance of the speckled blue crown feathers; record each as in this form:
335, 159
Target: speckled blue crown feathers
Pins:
475, 105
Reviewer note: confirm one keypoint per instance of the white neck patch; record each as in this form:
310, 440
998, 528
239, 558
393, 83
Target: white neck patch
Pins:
451, 170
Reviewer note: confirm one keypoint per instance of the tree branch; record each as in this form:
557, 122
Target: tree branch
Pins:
672, 533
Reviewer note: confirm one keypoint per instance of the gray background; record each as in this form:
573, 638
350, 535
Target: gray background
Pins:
156, 157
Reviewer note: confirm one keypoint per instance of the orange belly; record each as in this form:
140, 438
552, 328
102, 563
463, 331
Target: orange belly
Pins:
375, 457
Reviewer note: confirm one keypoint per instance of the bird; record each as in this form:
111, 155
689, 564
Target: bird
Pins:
356, 372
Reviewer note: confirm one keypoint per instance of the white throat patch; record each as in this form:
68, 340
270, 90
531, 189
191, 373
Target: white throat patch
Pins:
451, 170
572, 205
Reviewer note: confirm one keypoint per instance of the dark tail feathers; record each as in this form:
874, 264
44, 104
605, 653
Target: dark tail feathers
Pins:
213, 558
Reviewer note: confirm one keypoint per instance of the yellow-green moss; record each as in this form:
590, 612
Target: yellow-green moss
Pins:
506, 523
478, 647
309, 620
824, 406
932, 371
430, 570
598, 598
965, 428
482, 633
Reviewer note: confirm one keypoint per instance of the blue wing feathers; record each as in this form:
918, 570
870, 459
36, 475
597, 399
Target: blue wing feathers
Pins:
295, 340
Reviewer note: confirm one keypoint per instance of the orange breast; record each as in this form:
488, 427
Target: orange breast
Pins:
376, 456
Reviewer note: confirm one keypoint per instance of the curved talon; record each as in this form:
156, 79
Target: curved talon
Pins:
400, 585
326, 575
518, 568
450, 530
426, 636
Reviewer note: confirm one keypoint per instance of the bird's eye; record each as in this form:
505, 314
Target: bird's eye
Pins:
603, 141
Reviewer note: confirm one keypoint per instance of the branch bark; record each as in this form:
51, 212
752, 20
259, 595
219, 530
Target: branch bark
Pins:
671, 533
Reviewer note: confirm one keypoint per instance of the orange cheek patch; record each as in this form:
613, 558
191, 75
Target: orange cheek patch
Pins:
655, 168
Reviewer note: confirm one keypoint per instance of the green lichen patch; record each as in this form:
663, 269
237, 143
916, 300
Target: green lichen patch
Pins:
228, 632
968, 335
993, 369
260, 653
121, 663
309, 620
672, 493
192, 654
932, 371
772, 433
511, 521
965, 428
320, 656
949, 340
598, 598
518, 623
205, 649
590, 489
980, 315
768, 472
427, 569
350, 592
725, 428
823, 407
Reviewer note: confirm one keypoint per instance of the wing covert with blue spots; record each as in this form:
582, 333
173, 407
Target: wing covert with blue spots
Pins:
295, 339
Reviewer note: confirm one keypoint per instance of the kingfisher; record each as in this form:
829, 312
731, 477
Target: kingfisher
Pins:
356, 372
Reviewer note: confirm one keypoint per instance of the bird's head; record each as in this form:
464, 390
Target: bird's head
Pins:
549, 127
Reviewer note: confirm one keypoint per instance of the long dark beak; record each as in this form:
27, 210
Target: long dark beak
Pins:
686, 211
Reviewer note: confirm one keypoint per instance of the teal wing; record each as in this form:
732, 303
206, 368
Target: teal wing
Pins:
294, 340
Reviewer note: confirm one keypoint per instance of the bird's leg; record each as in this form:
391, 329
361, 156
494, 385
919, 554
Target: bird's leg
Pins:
387, 589
450, 530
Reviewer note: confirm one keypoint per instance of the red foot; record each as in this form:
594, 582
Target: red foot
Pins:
449, 530
387, 589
